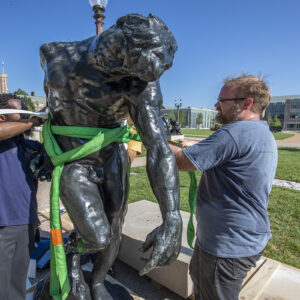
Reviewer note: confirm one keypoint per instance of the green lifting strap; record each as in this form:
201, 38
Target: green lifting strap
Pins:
192, 203
99, 138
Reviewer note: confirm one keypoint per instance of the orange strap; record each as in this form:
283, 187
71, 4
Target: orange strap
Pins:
56, 236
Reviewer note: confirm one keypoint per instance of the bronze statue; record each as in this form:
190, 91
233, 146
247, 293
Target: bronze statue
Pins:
176, 128
166, 124
97, 83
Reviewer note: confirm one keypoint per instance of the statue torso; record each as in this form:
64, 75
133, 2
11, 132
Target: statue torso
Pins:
79, 94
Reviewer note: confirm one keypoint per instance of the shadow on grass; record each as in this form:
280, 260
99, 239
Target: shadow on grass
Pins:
289, 149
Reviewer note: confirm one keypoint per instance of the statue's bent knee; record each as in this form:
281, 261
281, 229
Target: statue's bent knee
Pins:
103, 238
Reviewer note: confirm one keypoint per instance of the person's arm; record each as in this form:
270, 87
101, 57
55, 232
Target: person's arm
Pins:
187, 143
183, 163
163, 176
9, 129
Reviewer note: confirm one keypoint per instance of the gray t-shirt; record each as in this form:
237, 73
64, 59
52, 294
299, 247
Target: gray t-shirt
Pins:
239, 163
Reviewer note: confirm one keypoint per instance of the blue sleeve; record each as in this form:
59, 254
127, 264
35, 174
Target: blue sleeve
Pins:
215, 150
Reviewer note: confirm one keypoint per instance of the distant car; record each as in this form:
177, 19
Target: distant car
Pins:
275, 129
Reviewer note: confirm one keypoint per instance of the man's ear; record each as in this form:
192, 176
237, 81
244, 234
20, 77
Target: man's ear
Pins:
248, 103
2, 118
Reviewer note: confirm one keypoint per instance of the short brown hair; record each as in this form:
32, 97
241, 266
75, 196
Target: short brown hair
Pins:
251, 86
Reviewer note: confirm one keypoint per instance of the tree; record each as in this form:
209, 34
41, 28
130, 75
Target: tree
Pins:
269, 119
27, 100
171, 115
213, 122
181, 117
20, 92
199, 119
276, 122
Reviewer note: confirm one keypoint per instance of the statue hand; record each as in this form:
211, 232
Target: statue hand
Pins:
166, 242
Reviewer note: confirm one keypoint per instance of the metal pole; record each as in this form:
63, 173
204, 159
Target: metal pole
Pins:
99, 17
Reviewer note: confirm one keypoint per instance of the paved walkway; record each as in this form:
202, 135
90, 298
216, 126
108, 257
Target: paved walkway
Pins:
287, 184
293, 141
139, 162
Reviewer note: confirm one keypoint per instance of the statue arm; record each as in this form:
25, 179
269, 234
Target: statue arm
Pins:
163, 176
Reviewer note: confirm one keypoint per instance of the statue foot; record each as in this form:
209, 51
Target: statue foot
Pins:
99, 292
80, 289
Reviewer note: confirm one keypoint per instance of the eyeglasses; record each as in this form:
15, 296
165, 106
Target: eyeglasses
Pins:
230, 99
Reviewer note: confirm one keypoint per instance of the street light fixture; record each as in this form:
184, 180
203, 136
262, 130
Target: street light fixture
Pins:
99, 9
178, 105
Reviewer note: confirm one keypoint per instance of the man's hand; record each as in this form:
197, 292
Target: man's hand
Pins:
37, 121
187, 143
166, 242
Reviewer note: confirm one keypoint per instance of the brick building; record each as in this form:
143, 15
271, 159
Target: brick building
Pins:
287, 109
3, 83
292, 115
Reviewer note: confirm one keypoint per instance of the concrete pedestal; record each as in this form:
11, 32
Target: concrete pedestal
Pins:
142, 217
173, 137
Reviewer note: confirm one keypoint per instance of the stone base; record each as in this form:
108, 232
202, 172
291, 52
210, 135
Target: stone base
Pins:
268, 280
173, 137
142, 217
117, 290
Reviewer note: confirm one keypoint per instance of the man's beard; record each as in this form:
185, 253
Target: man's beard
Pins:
234, 116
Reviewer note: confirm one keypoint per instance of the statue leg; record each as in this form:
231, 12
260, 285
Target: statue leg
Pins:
81, 197
115, 190
82, 200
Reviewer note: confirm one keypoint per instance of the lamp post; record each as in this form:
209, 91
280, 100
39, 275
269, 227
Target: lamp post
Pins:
178, 105
99, 9
296, 119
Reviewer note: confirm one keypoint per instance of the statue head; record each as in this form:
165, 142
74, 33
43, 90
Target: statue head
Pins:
136, 46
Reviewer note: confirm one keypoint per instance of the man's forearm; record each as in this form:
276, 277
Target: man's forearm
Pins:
12, 129
183, 163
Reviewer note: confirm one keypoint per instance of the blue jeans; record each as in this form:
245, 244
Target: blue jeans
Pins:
217, 278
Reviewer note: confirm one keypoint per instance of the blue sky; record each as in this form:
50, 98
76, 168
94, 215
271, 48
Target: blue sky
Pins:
216, 38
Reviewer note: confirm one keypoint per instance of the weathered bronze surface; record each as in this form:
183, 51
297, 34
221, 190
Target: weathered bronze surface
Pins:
97, 83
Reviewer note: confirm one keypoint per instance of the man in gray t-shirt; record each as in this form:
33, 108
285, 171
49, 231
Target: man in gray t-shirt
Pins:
238, 163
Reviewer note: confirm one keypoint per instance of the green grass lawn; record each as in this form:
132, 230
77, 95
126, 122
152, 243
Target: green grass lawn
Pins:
288, 167
140, 187
284, 213
281, 135
284, 206
197, 132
